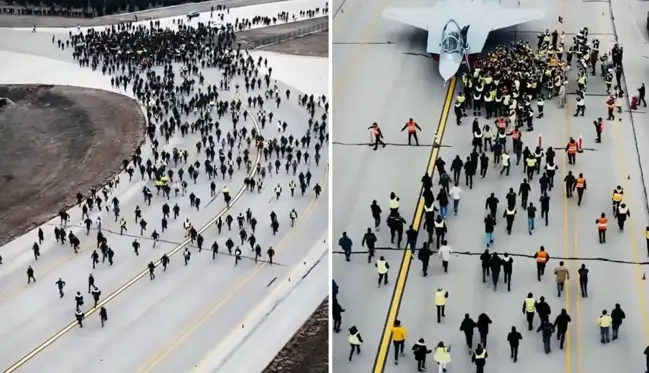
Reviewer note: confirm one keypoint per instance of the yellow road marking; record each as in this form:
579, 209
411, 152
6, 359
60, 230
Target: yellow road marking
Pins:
127, 285
399, 287
159, 356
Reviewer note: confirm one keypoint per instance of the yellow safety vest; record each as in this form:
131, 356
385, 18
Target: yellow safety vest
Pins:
439, 225
440, 298
460, 99
353, 339
604, 321
530, 305
617, 197
481, 356
531, 162
394, 204
225, 190
381, 266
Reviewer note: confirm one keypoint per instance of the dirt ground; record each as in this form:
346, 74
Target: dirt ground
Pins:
308, 350
316, 44
55, 141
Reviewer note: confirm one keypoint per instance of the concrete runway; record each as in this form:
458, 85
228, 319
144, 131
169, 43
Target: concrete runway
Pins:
378, 82
147, 331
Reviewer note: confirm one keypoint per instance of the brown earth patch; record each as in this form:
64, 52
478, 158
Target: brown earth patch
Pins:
56, 141
308, 349
315, 45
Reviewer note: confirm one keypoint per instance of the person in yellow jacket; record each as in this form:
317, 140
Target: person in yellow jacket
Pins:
291, 186
618, 195
442, 356
394, 203
399, 334
226, 195
355, 341
604, 322
440, 303
382, 267
479, 358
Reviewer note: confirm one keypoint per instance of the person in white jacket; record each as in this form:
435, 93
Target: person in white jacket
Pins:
455, 194
445, 253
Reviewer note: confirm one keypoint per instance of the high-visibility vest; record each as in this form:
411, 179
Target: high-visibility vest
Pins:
551, 167
617, 197
516, 135
381, 266
501, 123
481, 356
530, 305
580, 182
511, 212
430, 208
225, 190
622, 210
477, 135
440, 298
541, 256
604, 321
531, 162
439, 225
602, 224
353, 339
394, 204
572, 148
461, 98
412, 126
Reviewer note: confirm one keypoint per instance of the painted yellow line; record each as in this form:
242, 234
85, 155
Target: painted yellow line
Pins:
222, 300
142, 274
399, 287
640, 288
566, 245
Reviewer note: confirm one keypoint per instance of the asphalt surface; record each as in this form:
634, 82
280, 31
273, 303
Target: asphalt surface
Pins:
378, 82
45, 21
146, 316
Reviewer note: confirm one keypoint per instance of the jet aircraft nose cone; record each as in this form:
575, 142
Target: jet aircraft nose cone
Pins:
448, 67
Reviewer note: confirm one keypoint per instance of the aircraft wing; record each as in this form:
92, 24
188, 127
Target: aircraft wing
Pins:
434, 18
428, 19
499, 18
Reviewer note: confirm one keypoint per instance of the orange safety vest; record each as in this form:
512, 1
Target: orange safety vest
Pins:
516, 135
501, 123
572, 148
541, 256
602, 224
580, 182
412, 126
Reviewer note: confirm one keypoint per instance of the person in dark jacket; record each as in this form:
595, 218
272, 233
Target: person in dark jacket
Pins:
424, 255
345, 243
467, 327
561, 325
543, 309
496, 264
618, 316
547, 328
485, 258
336, 315
514, 338
483, 327
421, 351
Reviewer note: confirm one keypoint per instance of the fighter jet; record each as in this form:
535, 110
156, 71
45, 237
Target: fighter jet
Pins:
457, 28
